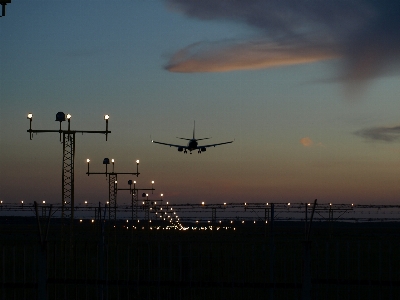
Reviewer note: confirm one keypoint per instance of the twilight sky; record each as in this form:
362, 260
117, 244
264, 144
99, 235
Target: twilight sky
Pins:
308, 89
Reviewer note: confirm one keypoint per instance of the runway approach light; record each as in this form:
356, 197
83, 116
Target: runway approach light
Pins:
30, 116
69, 116
106, 117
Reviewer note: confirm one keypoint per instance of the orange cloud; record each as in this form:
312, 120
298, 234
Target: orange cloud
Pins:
306, 142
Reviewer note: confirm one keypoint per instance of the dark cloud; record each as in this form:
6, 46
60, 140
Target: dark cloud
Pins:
364, 33
386, 134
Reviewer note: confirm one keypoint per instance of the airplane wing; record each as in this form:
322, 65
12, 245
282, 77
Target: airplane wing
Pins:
171, 145
213, 145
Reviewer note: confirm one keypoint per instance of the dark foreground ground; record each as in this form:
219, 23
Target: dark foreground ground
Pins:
237, 261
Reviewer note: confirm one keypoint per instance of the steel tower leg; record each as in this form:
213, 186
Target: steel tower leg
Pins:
68, 175
112, 197
134, 206
147, 212
214, 216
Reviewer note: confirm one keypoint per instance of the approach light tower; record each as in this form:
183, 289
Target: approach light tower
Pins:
112, 185
3, 8
134, 197
68, 140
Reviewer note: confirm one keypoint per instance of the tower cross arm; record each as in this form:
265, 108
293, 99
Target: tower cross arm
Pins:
69, 131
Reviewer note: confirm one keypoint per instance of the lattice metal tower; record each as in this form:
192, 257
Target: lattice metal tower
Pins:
68, 141
68, 175
112, 196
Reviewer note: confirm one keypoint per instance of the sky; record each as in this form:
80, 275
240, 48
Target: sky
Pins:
307, 89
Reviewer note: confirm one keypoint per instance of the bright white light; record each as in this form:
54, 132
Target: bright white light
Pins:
152, 182
30, 116
137, 161
112, 160
22, 201
44, 202
88, 160
202, 203
134, 182
69, 116
163, 195
106, 117
288, 204
85, 202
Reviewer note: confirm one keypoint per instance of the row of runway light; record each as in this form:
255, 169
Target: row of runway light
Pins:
202, 203
176, 225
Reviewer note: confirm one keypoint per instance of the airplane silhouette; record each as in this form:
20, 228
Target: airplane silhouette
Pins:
192, 144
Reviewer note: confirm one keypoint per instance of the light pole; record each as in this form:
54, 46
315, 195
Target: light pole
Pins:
68, 140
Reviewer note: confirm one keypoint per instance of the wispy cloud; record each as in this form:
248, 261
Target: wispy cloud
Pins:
364, 33
386, 134
234, 55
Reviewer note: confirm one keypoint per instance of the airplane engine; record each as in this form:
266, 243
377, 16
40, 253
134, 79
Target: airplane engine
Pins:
203, 149
180, 149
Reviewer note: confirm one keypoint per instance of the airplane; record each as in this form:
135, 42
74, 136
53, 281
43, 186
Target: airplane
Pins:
192, 144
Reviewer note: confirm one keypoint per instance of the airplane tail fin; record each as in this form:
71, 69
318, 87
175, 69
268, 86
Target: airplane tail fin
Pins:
194, 127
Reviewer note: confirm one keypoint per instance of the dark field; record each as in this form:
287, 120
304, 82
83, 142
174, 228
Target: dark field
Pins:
348, 261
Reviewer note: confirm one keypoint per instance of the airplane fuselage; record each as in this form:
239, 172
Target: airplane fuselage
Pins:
192, 145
